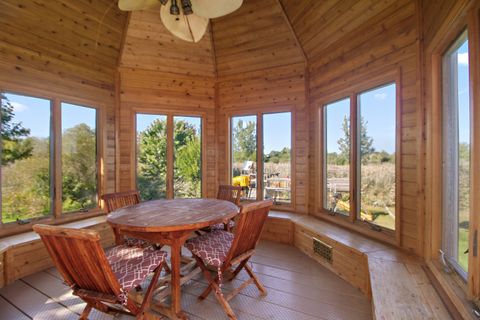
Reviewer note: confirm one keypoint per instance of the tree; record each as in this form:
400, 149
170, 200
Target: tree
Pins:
15, 142
152, 160
366, 142
79, 170
244, 141
188, 160
282, 156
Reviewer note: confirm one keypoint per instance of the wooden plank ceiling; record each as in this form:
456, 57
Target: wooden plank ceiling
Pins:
255, 37
150, 46
72, 39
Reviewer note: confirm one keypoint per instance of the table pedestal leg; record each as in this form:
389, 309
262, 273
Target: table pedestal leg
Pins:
175, 279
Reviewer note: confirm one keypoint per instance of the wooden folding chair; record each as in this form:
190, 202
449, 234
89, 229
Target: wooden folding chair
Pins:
224, 251
102, 279
232, 194
117, 200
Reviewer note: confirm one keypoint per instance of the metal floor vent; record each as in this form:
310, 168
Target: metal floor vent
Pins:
322, 249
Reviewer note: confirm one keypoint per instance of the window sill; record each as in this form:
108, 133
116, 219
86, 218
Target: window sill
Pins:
452, 289
14, 228
385, 235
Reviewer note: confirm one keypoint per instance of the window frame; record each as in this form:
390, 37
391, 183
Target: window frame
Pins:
170, 115
462, 293
450, 119
258, 112
57, 216
353, 92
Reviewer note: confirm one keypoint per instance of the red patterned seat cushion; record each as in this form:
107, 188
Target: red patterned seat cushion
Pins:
221, 226
134, 242
211, 247
132, 264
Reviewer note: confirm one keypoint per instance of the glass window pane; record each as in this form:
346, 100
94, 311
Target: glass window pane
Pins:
152, 156
277, 144
187, 147
26, 191
79, 158
337, 157
376, 145
456, 174
463, 97
244, 155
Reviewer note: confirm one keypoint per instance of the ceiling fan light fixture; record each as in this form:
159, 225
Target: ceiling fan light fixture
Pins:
190, 27
214, 8
187, 7
174, 9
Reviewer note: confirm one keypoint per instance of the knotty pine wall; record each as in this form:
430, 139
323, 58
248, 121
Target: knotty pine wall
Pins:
347, 43
271, 90
261, 67
65, 49
160, 73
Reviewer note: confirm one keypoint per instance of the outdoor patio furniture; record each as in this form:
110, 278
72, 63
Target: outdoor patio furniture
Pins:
102, 279
224, 251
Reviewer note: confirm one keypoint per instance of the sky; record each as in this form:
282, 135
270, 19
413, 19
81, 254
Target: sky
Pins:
463, 93
34, 114
277, 130
144, 120
377, 107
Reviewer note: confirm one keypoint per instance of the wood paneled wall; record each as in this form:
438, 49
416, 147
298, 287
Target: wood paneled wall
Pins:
268, 55
359, 40
267, 90
160, 73
66, 49
149, 91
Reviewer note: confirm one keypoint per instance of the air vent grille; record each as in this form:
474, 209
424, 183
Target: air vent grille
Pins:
322, 249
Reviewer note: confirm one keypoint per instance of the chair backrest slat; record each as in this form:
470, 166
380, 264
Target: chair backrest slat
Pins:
79, 258
229, 193
117, 200
249, 227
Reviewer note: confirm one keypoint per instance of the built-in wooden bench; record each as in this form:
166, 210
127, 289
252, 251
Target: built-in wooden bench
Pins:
24, 254
395, 281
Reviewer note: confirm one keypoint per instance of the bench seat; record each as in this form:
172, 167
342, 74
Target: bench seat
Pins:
395, 281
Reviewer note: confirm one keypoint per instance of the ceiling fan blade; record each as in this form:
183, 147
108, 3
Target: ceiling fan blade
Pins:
132, 5
214, 8
189, 28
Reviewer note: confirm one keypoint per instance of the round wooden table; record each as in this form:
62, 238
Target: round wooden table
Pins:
170, 222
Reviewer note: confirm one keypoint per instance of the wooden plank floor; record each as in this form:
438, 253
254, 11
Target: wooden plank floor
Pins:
298, 289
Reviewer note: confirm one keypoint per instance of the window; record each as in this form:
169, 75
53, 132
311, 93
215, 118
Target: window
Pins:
157, 176
359, 138
28, 166
456, 154
79, 158
244, 155
26, 161
376, 138
276, 154
337, 157
187, 174
152, 156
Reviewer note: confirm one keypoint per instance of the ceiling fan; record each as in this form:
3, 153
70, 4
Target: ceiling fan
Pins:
189, 20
